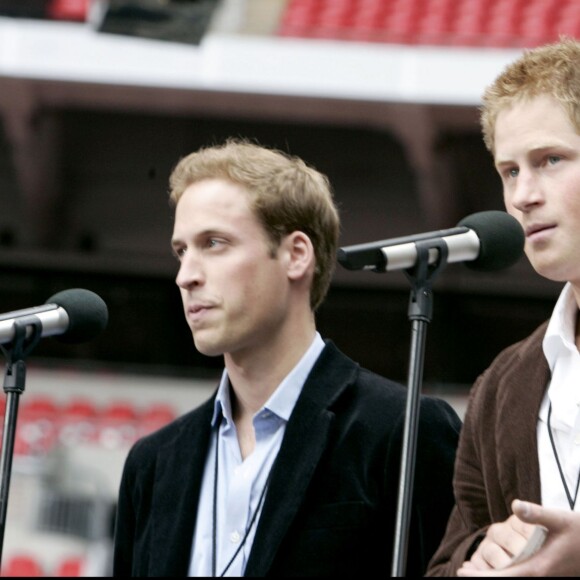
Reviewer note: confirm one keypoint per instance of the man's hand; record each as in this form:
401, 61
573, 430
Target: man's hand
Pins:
502, 542
559, 556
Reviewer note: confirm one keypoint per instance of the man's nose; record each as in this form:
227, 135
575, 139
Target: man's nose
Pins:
190, 271
528, 191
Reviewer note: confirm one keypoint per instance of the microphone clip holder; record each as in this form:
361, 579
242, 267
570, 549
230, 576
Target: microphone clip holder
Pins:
421, 276
17, 351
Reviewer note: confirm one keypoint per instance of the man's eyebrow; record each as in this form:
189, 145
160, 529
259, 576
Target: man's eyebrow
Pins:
503, 162
177, 240
536, 150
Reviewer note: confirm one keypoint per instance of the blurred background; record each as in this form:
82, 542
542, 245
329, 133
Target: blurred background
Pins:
99, 100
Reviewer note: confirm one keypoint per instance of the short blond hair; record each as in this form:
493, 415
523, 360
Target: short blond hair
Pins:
286, 195
551, 69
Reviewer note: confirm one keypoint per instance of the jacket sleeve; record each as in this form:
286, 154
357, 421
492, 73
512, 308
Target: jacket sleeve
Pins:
125, 524
470, 516
497, 458
439, 429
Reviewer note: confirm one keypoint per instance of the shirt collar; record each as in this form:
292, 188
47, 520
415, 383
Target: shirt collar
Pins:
283, 399
560, 334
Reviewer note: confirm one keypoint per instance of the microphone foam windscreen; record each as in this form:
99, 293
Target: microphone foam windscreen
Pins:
87, 312
501, 239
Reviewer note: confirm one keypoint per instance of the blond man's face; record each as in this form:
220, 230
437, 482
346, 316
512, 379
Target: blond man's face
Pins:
537, 155
235, 294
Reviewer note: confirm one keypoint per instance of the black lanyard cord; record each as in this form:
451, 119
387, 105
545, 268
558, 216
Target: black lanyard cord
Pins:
214, 530
571, 501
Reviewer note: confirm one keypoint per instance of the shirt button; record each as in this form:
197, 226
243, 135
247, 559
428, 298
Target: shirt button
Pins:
235, 537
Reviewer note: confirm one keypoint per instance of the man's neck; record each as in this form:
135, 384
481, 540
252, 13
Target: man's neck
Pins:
255, 376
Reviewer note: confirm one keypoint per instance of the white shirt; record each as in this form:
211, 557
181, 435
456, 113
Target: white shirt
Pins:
564, 394
241, 483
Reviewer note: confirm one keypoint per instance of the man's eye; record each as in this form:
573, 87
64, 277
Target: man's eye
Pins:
511, 172
553, 159
179, 252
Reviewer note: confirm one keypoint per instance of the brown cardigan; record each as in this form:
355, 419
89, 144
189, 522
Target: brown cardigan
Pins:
497, 458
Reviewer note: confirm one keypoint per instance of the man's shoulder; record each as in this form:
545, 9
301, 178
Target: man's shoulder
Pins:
333, 358
519, 370
528, 350
381, 393
182, 426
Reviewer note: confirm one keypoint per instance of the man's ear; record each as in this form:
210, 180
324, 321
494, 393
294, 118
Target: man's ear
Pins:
299, 253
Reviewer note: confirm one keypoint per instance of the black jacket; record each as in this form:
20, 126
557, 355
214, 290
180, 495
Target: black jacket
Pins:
331, 505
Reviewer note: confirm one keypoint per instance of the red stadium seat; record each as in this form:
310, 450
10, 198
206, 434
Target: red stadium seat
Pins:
78, 422
155, 417
497, 23
76, 10
118, 425
36, 426
22, 565
70, 567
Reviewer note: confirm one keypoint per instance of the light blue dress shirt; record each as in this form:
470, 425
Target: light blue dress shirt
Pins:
240, 484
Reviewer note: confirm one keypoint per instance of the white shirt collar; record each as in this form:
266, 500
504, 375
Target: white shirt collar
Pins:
559, 346
560, 335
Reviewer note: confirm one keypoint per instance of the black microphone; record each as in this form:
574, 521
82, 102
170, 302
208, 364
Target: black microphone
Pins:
77, 315
486, 241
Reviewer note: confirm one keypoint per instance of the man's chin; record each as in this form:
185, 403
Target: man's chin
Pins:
551, 270
207, 349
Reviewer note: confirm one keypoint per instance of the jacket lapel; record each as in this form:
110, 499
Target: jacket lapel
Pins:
304, 441
177, 486
522, 395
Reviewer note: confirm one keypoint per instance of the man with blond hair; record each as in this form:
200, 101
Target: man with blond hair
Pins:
518, 462
291, 468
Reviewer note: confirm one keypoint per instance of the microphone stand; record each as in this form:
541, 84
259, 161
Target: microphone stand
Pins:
420, 312
14, 384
